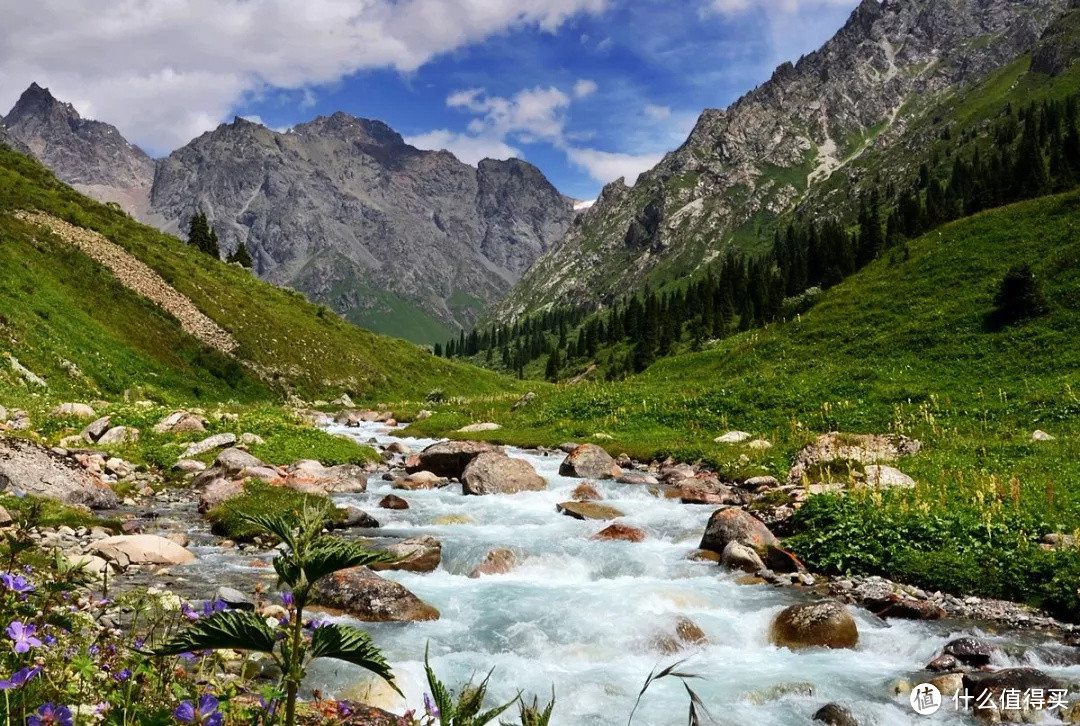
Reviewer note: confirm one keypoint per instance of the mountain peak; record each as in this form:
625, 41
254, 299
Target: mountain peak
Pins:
37, 101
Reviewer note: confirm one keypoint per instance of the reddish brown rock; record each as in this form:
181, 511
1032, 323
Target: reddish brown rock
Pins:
391, 501
590, 461
497, 562
584, 492
361, 593
623, 532
726, 525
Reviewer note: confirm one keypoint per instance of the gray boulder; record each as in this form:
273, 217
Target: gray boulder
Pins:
233, 461
28, 468
448, 459
496, 473
590, 461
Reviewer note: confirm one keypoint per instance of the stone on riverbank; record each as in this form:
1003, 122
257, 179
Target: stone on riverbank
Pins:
825, 624
31, 469
217, 441
496, 473
738, 556
232, 461
478, 427
141, 549
590, 461
736, 525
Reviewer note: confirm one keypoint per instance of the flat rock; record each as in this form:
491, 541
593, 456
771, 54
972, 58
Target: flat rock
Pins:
477, 427
361, 593
217, 441
448, 459
1039, 435
28, 468
314, 478
636, 478
418, 480
588, 510
732, 437
141, 549
887, 477
590, 461
189, 466
496, 473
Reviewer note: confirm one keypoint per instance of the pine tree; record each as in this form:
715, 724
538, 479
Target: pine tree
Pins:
242, 256
551, 371
212, 247
199, 232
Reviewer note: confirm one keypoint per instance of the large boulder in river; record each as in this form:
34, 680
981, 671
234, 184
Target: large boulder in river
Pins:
494, 472
826, 624
364, 595
416, 554
590, 461
736, 525
497, 562
988, 689
28, 468
141, 549
448, 458
314, 478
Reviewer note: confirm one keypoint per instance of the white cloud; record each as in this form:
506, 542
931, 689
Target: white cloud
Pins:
737, 7
531, 115
584, 88
167, 70
606, 166
657, 113
470, 149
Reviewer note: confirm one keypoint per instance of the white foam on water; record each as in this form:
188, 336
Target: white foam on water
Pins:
584, 615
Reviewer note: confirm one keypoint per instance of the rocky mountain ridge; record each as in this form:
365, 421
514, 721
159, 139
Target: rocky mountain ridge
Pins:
404, 241
89, 155
746, 166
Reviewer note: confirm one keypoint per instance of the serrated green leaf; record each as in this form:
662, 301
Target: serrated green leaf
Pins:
231, 629
351, 645
330, 555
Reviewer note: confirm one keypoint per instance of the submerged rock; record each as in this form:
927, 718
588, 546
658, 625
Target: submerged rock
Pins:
497, 562
970, 651
590, 461
391, 501
585, 491
825, 624
364, 595
833, 714
623, 532
496, 473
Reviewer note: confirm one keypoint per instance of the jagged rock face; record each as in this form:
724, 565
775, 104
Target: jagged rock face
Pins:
344, 210
777, 144
89, 155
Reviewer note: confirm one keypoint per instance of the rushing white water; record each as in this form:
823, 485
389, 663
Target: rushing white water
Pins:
580, 615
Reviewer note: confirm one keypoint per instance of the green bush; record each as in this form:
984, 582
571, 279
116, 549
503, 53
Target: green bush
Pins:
260, 499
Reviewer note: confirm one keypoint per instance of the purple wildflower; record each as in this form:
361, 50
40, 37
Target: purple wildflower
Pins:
209, 608
23, 635
205, 713
189, 612
287, 599
429, 707
50, 639
20, 678
93, 650
122, 676
49, 714
16, 583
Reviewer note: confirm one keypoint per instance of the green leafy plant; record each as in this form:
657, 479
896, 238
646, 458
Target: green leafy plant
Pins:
308, 557
466, 709
533, 715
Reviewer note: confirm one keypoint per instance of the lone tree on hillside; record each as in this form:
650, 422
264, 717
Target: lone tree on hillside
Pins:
1019, 297
241, 255
202, 236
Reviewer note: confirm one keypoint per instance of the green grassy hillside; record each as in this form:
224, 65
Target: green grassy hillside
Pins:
57, 307
902, 346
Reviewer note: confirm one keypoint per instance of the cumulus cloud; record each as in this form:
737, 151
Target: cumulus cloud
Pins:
470, 149
167, 70
656, 112
605, 166
585, 88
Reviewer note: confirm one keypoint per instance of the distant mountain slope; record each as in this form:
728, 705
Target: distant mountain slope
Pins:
743, 168
410, 242
70, 320
90, 155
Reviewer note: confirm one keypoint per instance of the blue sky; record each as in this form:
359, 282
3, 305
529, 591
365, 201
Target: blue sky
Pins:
588, 90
